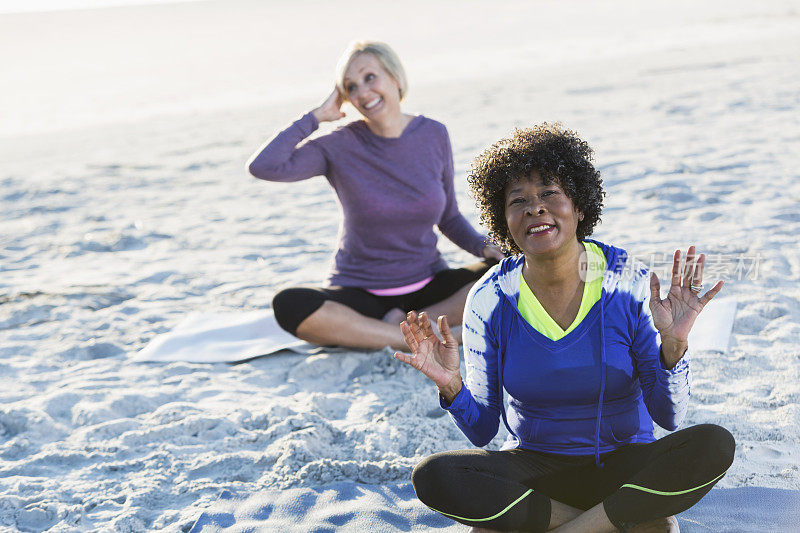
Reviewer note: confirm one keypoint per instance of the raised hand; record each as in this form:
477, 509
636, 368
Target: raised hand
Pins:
491, 251
331, 108
674, 316
437, 359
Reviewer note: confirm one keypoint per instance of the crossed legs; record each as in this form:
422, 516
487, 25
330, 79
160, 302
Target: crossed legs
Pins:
335, 324
353, 317
638, 488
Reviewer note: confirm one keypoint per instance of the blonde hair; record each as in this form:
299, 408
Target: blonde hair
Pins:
382, 52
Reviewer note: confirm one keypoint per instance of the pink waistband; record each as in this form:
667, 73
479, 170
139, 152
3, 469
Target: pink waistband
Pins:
405, 289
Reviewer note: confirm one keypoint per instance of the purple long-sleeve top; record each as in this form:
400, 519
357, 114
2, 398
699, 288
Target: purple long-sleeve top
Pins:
392, 191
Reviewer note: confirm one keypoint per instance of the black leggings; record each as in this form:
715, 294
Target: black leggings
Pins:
292, 306
511, 490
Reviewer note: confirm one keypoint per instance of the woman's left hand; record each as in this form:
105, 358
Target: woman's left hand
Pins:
674, 316
491, 251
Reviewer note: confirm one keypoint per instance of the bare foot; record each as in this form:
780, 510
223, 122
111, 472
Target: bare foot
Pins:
660, 525
394, 316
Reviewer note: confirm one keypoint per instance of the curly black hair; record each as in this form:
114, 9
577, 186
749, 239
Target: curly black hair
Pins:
552, 152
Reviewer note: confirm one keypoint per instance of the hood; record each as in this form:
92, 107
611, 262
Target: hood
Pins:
617, 268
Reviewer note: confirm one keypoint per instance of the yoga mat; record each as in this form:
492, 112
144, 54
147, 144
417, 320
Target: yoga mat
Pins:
712, 329
348, 506
222, 338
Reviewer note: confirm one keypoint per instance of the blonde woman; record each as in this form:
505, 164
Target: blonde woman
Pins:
393, 174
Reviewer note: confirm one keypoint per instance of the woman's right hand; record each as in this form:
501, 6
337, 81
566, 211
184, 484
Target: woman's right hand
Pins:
492, 251
331, 108
435, 358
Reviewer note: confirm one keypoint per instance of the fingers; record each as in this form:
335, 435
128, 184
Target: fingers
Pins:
655, 288
697, 279
711, 293
409, 336
338, 102
425, 325
490, 251
689, 267
676, 269
331, 107
692, 275
413, 323
692, 272
411, 360
412, 334
447, 335
416, 328
403, 357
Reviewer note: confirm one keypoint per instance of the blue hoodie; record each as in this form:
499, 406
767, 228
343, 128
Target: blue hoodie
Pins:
596, 389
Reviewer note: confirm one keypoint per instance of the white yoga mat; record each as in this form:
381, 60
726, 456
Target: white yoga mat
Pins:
222, 338
239, 336
712, 330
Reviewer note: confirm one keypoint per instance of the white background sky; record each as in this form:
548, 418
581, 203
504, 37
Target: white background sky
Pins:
23, 6
71, 69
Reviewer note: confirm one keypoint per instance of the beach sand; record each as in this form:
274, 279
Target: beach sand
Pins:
125, 205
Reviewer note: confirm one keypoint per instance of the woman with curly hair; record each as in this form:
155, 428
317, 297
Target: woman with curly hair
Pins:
393, 175
590, 356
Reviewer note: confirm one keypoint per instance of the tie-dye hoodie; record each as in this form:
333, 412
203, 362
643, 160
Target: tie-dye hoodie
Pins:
598, 388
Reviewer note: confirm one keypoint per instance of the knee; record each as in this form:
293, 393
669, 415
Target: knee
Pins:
281, 303
719, 444
429, 476
292, 306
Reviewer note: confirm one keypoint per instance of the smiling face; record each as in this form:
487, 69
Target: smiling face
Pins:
541, 217
371, 90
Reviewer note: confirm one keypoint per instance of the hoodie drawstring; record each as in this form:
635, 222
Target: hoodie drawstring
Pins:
602, 384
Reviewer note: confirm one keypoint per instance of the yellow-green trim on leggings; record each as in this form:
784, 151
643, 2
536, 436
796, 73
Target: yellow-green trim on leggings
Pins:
510, 505
676, 493
626, 485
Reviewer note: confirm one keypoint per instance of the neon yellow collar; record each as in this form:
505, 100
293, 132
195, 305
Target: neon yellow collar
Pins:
532, 311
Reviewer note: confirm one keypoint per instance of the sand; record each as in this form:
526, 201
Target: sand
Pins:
124, 206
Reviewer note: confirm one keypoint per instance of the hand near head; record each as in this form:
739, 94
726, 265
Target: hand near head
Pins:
437, 359
492, 251
331, 108
674, 316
